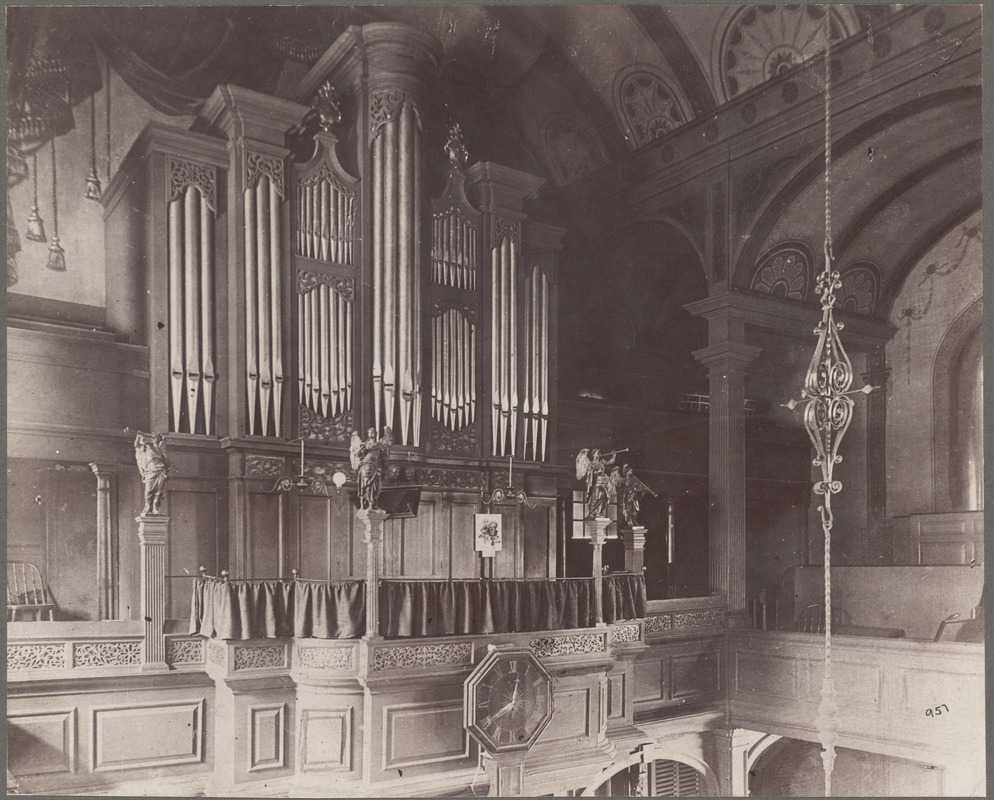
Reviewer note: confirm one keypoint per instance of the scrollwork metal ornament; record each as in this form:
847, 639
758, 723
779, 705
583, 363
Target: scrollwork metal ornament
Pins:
828, 411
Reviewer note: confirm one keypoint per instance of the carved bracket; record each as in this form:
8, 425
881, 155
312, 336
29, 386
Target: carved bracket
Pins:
258, 164
505, 228
308, 280
441, 304
187, 173
385, 105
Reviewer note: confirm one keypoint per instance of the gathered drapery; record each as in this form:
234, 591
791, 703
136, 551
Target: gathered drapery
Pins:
256, 609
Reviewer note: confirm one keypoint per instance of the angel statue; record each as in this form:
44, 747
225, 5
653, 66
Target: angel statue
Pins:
592, 467
369, 460
632, 490
150, 454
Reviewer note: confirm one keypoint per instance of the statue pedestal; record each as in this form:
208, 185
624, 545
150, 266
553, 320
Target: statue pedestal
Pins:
153, 538
372, 520
596, 530
634, 540
506, 772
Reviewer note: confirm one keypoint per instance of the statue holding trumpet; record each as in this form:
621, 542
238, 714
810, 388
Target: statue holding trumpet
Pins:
601, 487
632, 490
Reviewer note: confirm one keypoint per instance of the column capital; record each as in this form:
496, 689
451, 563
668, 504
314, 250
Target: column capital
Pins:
728, 356
153, 529
372, 520
597, 529
101, 469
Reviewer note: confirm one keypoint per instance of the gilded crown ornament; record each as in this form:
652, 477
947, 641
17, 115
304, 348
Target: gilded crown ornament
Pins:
328, 107
455, 147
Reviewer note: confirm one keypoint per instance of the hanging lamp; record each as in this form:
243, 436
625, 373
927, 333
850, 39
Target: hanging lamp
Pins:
828, 411
56, 255
93, 188
36, 225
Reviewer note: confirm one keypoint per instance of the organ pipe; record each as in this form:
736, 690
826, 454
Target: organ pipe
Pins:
324, 316
251, 322
262, 233
190, 235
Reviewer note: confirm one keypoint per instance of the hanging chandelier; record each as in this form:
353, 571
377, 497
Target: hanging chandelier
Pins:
828, 403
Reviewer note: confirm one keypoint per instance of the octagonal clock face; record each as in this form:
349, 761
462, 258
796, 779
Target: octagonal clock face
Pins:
509, 701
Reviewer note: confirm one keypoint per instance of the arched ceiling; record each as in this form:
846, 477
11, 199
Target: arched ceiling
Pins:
898, 180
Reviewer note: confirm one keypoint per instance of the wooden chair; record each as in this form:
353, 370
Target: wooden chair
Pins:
812, 619
26, 592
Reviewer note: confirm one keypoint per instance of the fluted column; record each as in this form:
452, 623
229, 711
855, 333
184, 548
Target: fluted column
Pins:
153, 538
727, 362
399, 61
634, 541
372, 520
731, 754
107, 540
596, 531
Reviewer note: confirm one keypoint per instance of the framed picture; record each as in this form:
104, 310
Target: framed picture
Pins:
488, 533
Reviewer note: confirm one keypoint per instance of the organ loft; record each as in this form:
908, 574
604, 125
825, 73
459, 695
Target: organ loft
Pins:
462, 400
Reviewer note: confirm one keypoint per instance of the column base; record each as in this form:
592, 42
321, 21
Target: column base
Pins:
155, 667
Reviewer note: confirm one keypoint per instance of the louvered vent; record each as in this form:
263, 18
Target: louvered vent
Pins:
673, 779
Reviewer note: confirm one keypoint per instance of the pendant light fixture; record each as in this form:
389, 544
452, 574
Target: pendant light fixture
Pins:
93, 188
56, 255
828, 410
36, 225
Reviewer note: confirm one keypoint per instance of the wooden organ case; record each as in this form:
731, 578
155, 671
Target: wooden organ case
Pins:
284, 299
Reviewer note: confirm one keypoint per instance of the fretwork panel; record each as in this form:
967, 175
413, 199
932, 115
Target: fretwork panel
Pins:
397, 392
454, 250
324, 351
325, 219
190, 232
453, 390
263, 292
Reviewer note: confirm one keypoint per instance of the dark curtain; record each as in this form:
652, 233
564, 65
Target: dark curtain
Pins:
624, 597
336, 610
440, 608
329, 610
271, 609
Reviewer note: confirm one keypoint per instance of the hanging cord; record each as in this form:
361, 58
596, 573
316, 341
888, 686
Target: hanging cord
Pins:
36, 225
55, 199
93, 133
107, 96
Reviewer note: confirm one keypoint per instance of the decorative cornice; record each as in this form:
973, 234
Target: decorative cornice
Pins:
307, 280
183, 173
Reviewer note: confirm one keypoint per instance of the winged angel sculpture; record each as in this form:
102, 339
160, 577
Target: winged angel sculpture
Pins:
601, 487
369, 460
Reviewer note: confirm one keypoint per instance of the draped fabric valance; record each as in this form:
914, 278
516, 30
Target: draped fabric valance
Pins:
336, 610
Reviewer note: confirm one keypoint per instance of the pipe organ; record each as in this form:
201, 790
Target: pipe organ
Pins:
282, 295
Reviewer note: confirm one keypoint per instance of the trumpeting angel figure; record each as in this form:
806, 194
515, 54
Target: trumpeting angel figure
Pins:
591, 466
150, 455
632, 490
369, 460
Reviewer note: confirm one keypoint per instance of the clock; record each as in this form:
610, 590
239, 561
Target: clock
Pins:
508, 700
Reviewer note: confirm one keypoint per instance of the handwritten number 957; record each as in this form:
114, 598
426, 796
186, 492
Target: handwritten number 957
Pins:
937, 711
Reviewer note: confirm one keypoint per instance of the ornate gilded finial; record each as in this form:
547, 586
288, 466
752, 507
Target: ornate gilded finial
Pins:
455, 147
328, 107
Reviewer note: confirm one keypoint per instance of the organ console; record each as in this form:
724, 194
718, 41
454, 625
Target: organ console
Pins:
281, 299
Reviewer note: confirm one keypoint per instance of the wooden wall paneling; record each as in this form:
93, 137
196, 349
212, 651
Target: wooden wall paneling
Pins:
71, 540
130, 499
393, 549
120, 737
507, 561
463, 560
156, 299
262, 532
196, 525
318, 559
42, 742
539, 540
424, 733
325, 739
26, 488
267, 731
